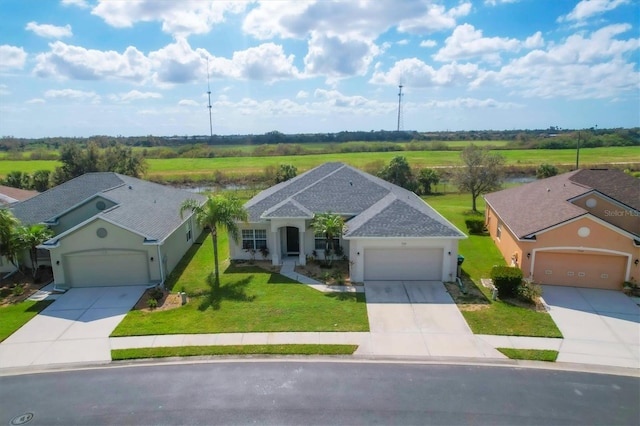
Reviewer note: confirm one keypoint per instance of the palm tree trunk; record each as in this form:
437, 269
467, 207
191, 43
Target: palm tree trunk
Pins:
214, 239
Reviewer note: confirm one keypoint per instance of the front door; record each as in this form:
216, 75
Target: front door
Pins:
293, 240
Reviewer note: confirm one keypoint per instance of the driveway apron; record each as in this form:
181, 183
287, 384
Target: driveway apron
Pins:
75, 328
418, 318
599, 326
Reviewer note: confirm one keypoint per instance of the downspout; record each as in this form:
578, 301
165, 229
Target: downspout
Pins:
161, 268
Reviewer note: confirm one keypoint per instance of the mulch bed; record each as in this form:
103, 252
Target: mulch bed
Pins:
24, 280
476, 300
167, 302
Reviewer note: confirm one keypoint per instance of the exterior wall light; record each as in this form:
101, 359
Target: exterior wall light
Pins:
528, 255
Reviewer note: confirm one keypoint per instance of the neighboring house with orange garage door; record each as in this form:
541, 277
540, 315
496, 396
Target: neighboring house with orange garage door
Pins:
579, 229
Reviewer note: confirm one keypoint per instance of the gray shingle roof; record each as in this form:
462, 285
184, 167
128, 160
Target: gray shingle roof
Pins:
538, 205
147, 208
378, 208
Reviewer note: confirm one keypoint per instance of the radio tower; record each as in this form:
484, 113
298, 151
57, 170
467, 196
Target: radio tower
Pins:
400, 108
209, 105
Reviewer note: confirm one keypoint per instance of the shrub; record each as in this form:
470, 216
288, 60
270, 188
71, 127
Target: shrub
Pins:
152, 303
17, 290
529, 292
475, 225
507, 280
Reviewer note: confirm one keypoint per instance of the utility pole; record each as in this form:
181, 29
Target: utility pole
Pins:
209, 106
578, 153
399, 107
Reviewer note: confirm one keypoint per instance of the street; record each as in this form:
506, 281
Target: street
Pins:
306, 392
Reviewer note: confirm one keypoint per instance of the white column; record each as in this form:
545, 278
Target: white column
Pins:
275, 249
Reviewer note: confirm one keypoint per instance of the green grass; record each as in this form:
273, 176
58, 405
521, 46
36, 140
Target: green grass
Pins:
531, 354
249, 299
201, 168
181, 351
15, 316
481, 254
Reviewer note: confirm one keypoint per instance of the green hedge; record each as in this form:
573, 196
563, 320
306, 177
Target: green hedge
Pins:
475, 226
507, 280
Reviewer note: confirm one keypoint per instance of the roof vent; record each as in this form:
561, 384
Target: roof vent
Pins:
130, 187
548, 190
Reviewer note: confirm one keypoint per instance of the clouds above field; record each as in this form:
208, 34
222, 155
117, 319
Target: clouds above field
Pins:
314, 66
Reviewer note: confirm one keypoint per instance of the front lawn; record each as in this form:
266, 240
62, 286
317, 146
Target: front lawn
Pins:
531, 354
249, 299
481, 254
13, 317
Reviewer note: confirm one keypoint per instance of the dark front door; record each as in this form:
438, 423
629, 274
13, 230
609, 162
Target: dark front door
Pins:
293, 240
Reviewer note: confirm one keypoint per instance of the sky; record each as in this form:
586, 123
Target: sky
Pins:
79, 68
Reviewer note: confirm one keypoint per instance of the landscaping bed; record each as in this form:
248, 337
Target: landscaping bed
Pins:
21, 285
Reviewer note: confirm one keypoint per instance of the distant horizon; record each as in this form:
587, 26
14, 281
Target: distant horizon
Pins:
81, 68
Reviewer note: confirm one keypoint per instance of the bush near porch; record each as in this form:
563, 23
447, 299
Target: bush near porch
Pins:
486, 316
249, 299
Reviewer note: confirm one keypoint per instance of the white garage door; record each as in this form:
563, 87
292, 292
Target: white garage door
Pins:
403, 264
106, 268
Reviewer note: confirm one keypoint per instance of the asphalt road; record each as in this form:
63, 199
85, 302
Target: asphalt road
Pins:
312, 393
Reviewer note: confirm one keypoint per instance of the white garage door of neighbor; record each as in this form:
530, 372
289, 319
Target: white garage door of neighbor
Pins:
403, 264
106, 268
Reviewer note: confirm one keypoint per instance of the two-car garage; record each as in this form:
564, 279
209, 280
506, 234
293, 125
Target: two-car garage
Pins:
106, 267
403, 264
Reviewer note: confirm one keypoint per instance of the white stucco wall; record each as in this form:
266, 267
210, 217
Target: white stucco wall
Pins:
357, 248
176, 245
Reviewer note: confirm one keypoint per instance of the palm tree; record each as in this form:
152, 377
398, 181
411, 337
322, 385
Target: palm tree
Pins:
330, 225
217, 211
8, 246
30, 237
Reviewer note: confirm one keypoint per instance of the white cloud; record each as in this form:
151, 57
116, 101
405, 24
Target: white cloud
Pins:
497, 2
188, 102
581, 67
179, 63
178, 18
79, 95
12, 57
75, 62
414, 72
302, 94
49, 31
134, 95
588, 8
428, 43
334, 56
4, 90
36, 101
266, 62
466, 42
402, 42
470, 103
78, 3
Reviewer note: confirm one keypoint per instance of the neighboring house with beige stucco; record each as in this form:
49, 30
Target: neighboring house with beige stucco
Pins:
111, 230
390, 233
579, 229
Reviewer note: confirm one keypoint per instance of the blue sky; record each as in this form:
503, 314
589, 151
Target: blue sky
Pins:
114, 67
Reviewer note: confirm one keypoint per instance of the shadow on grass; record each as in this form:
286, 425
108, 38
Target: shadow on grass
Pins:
39, 306
177, 272
234, 291
344, 296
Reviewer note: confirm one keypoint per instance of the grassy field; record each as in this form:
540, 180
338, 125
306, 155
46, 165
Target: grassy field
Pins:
249, 299
172, 169
15, 316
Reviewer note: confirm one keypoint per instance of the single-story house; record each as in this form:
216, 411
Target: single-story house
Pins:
10, 195
579, 229
390, 233
111, 229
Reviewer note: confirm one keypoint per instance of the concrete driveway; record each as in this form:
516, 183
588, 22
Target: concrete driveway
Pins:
418, 318
75, 328
599, 326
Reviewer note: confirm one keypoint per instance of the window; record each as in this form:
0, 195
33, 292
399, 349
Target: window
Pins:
189, 230
321, 242
254, 239
499, 231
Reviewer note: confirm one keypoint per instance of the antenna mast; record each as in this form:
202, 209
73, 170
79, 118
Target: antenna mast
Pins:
399, 107
209, 106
